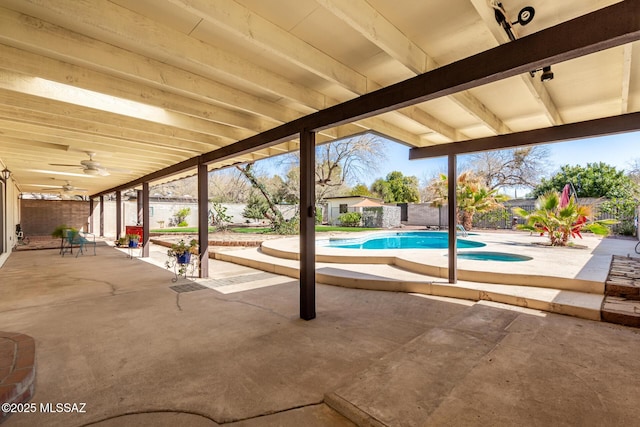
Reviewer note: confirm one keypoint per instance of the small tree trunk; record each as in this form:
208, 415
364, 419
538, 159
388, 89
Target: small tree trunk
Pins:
276, 217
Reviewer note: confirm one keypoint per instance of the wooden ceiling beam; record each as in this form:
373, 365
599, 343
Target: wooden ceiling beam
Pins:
533, 84
89, 104
88, 53
56, 113
241, 22
372, 25
250, 27
30, 64
587, 129
609, 27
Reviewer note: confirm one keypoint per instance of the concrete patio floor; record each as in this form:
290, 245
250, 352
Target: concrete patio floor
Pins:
110, 333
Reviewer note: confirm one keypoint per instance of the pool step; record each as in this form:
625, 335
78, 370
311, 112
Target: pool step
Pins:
621, 311
622, 288
396, 279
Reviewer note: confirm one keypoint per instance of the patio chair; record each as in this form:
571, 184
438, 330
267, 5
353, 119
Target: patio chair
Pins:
79, 239
87, 239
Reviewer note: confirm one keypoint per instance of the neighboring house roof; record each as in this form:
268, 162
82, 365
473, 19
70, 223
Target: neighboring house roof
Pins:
366, 203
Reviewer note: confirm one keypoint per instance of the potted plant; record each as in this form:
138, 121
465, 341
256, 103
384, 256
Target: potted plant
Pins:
61, 233
122, 241
133, 240
182, 251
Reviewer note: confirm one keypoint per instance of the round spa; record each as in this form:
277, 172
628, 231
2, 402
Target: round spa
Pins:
493, 256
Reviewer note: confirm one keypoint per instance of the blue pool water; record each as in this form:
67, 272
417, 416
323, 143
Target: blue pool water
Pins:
402, 240
493, 256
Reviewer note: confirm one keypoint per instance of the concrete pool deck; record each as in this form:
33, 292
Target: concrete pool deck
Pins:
560, 280
111, 333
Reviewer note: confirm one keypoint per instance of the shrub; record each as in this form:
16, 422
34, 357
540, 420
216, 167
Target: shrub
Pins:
181, 217
59, 231
288, 227
318, 215
350, 219
218, 216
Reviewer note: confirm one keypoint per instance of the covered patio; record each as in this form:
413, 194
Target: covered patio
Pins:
170, 90
115, 96
139, 353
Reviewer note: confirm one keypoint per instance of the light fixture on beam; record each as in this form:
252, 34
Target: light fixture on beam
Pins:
547, 74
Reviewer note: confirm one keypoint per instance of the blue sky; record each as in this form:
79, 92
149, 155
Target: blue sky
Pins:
616, 150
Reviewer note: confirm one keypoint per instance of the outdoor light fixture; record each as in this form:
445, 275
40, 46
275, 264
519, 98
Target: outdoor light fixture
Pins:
6, 174
525, 16
547, 74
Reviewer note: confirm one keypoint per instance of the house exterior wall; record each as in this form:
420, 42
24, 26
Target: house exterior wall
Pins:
9, 217
332, 207
427, 215
41, 217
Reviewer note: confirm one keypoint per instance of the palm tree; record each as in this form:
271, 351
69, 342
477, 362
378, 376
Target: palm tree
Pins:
473, 196
561, 221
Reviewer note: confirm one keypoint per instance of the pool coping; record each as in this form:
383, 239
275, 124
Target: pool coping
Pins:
565, 268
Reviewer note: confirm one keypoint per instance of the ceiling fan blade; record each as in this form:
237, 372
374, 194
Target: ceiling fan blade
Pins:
69, 166
45, 185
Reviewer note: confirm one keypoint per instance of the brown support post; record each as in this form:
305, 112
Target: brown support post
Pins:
101, 216
144, 217
307, 225
91, 207
118, 214
139, 206
452, 203
203, 220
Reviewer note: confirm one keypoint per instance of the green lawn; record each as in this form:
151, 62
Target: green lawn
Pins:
319, 228
252, 230
180, 230
348, 229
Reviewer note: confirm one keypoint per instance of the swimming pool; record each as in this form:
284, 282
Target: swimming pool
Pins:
402, 240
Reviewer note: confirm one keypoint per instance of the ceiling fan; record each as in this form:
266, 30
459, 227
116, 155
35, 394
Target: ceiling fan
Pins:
66, 188
89, 167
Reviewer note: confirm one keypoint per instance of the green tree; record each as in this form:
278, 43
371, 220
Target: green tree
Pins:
273, 214
472, 193
593, 180
360, 190
181, 217
256, 207
218, 216
600, 180
397, 188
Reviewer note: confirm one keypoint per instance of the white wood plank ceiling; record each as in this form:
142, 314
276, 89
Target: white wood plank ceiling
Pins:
146, 84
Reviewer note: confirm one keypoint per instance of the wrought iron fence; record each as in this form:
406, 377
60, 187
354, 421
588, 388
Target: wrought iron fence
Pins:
503, 218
